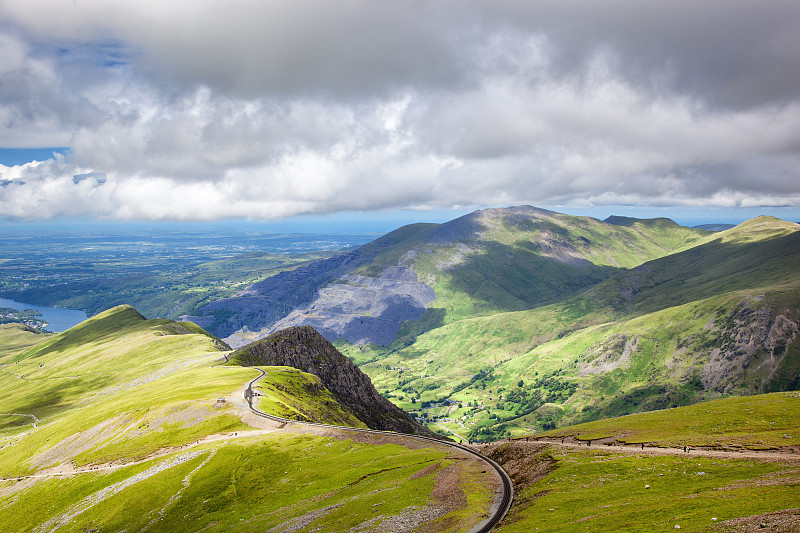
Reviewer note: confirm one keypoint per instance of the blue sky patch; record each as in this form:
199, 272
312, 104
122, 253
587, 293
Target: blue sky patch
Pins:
19, 156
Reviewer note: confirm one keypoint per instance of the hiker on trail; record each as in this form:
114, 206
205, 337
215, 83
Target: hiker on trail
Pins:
643, 445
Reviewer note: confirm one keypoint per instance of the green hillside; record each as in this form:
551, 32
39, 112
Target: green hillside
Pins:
122, 423
16, 337
715, 319
498, 260
291, 393
608, 487
759, 422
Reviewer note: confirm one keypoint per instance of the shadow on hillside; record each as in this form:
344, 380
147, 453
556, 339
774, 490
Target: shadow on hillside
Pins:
702, 272
432, 318
507, 278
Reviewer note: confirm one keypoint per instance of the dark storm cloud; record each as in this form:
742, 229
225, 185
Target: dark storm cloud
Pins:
736, 53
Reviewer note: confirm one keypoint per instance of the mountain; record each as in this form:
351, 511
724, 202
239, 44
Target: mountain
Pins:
715, 227
507, 320
127, 424
489, 261
716, 319
305, 349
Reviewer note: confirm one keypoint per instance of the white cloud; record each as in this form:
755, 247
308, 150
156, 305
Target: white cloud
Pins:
203, 110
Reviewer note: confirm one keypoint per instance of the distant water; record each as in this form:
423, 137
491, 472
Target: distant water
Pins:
58, 319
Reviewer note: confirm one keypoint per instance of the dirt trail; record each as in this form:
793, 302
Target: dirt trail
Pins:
603, 445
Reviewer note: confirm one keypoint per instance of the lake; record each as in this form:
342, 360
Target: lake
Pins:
58, 319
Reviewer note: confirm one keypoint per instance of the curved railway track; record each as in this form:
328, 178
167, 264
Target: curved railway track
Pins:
496, 512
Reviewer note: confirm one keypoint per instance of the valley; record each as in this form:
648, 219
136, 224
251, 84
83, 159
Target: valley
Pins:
163, 272
648, 368
507, 321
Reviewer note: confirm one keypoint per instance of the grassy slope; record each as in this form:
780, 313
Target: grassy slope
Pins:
604, 490
115, 369
15, 338
671, 308
261, 482
118, 389
297, 395
764, 421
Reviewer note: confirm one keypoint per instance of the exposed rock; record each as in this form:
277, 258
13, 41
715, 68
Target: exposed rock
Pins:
608, 354
305, 349
365, 310
749, 341
268, 301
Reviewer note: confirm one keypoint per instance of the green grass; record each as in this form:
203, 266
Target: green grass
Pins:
242, 485
766, 421
121, 390
603, 491
296, 395
607, 490
15, 337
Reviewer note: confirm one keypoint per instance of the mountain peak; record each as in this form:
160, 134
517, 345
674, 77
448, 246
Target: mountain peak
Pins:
618, 220
303, 348
758, 229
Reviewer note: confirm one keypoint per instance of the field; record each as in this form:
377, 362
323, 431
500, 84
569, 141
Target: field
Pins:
163, 272
761, 422
606, 491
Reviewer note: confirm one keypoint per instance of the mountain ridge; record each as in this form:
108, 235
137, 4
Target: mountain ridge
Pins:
488, 261
674, 330
305, 349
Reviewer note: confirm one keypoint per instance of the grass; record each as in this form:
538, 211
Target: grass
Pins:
608, 490
603, 491
121, 390
15, 338
767, 421
296, 395
254, 483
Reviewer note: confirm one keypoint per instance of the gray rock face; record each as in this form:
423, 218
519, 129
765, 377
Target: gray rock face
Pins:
266, 302
370, 307
305, 349
365, 310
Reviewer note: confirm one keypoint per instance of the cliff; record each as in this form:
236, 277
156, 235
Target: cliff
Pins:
305, 349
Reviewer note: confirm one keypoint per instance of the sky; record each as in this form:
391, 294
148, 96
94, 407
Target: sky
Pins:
201, 110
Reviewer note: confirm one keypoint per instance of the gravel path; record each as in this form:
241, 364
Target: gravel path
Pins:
35, 420
777, 456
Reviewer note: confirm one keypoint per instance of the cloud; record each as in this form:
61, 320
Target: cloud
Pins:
204, 110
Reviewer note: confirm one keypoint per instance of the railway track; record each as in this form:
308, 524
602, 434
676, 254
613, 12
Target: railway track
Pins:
500, 506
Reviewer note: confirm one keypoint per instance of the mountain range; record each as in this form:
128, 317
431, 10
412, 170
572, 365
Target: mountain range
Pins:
511, 320
499, 324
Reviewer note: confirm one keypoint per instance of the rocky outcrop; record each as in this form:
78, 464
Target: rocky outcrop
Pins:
750, 349
305, 349
270, 300
364, 309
